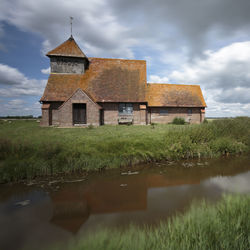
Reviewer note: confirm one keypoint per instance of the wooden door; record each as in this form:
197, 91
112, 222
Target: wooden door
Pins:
79, 113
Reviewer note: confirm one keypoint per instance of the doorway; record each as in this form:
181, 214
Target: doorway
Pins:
79, 113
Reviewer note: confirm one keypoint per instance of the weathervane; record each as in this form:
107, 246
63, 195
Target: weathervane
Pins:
71, 21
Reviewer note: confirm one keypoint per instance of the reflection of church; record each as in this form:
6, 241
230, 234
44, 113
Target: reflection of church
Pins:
75, 202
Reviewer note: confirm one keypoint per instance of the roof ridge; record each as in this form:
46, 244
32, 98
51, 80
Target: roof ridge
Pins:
115, 59
174, 84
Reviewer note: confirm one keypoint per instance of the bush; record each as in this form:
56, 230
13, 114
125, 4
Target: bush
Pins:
91, 126
178, 121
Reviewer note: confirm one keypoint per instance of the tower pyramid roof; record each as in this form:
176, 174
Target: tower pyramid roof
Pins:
69, 48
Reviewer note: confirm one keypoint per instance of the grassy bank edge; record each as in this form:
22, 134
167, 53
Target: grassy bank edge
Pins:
224, 225
29, 151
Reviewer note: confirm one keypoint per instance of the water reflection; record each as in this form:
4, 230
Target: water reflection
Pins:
153, 194
236, 184
113, 198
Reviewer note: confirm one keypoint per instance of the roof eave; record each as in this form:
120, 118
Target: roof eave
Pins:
66, 55
177, 106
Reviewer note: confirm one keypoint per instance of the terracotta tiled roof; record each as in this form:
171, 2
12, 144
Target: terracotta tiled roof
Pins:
106, 80
68, 48
174, 95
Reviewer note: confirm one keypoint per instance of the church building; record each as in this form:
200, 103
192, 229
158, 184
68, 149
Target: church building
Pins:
85, 90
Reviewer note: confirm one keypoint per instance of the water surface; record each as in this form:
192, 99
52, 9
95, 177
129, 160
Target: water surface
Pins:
35, 216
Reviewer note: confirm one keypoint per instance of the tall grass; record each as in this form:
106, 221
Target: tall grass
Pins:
225, 225
27, 150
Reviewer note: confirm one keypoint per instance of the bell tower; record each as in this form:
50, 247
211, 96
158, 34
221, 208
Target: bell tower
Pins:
68, 58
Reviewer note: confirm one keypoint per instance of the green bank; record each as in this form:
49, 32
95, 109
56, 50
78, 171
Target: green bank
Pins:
29, 151
225, 225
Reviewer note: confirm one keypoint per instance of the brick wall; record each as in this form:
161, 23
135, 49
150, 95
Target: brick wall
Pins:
139, 114
111, 114
63, 116
45, 118
156, 117
66, 110
55, 113
202, 115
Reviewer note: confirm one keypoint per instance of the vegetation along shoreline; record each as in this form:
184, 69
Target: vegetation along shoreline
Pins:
29, 151
224, 225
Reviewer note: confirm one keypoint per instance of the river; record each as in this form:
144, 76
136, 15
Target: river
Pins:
39, 214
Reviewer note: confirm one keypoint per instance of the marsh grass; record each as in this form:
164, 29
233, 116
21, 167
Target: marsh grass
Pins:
225, 225
28, 151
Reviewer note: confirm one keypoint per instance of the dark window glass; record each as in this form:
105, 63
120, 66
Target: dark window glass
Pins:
163, 112
189, 111
125, 108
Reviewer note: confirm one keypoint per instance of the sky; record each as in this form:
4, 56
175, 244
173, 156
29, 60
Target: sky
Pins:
204, 42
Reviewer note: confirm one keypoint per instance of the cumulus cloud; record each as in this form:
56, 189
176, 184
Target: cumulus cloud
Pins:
20, 107
10, 76
173, 35
235, 184
2, 47
113, 27
95, 27
223, 76
46, 71
193, 25
158, 79
223, 72
16, 102
14, 83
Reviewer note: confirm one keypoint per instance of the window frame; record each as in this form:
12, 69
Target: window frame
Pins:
163, 112
127, 106
190, 111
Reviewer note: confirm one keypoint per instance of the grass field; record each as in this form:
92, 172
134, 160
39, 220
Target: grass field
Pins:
225, 225
28, 151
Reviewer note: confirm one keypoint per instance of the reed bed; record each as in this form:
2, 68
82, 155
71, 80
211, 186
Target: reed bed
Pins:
28, 151
225, 225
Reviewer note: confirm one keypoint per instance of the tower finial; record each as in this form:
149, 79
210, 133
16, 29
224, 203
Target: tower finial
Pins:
71, 21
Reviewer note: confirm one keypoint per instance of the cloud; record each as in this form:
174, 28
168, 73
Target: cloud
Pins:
16, 102
46, 71
13, 83
223, 72
223, 76
235, 184
237, 95
193, 25
199, 42
10, 76
95, 27
20, 107
2, 47
114, 27
158, 79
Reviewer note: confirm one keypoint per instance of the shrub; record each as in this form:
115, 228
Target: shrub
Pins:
91, 126
178, 121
